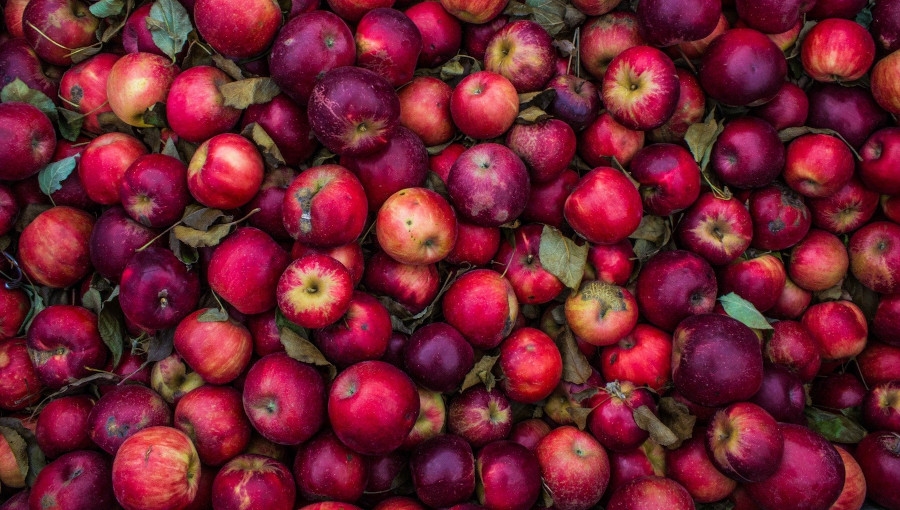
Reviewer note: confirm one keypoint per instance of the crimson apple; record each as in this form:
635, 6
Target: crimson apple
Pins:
640, 88
508, 474
604, 207
430, 422
250, 292
716, 228
123, 412
64, 344
520, 262
780, 216
59, 29
425, 106
649, 492
482, 305
742, 67
225, 172
874, 254
885, 26
643, 357
475, 244
484, 105
531, 365
878, 363
157, 290
477, 12
674, 285
389, 43
287, 123
789, 107
546, 147
114, 239
488, 184
669, 178
601, 313
257, 480
314, 290
416, 226
325, 206
691, 466
441, 32
20, 384
29, 140
612, 420
574, 467
325, 469
877, 456
438, 357
577, 102
792, 346
361, 334
218, 350
758, 279
236, 28
668, 22
480, 415
195, 107
83, 89
103, 164
885, 324
853, 494
849, 47
521, 51
136, 83
77, 480
744, 442
689, 109
605, 139
413, 286
781, 394
748, 153
851, 111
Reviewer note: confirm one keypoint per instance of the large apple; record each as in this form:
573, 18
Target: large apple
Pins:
640, 88
136, 83
237, 28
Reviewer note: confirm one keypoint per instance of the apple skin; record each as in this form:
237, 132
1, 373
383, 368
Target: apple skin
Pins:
482, 305
780, 215
646, 460
284, 399
21, 386
885, 26
604, 207
64, 344
878, 363
839, 328
853, 494
612, 421
325, 206
83, 89
416, 226
477, 12
640, 88
744, 442
235, 28
430, 422
306, 47
601, 313
372, 406
819, 261
604, 37
742, 67
837, 49
759, 280
475, 245
225, 172
667, 22
546, 147
56, 29
674, 285
217, 350
314, 290
689, 109
62, 425
519, 260
748, 153
425, 107
847, 209
19, 60
523, 52
851, 111
103, 164
611, 263
508, 476
157, 289
605, 139
781, 394
717, 229
76, 480
649, 492
529, 432
326, 469
156, 468
479, 415
171, 379
877, 456
388, 43
531, 365
769, 17
213, 417
574, 468
789, 107
810, 474
287, 123
710, 338
879, 153
669, 178
154, 190
884, 91
363, 333
792, 346
691, 466
195, 108
874, 255
413, 286
262, 480
29, 140
136, 82
488, 184
443, 471
484, 104
114, 239
643, 357
250, 292
136, 36
441, 32
438, 357
880, 410
9, 209
885, 324
817, 165
123, 412
577, 102
353, 111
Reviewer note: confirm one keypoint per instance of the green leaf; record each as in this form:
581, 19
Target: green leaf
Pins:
169, 25
201, 218
110, 323
741, 309
17, 90
202, 238
701, 136
107, 8
69, 123
155, 115
301, 349
549, 14
833, 426
50, 177
241, 94
864, 17
562, 257
213, 315
170, 150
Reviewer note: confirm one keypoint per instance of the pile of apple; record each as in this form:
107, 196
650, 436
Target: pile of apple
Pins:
402, 254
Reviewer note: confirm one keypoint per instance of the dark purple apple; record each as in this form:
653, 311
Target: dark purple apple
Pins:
577, 101
154, 190
488, 184
78, 480
851, 111
122, 412
748, 153
157, 290
19, 61
509, 475
443, 471
668, 22
438, 357
781, 394
769, 16
742, 67
114, 239
878, 454
65, 345
673, 285
885, 25
287, 123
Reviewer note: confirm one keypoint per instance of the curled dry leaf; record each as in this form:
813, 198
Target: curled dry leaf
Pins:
576, 368
562, 257
242, 93
677, 418
481, 373
301, 349
659, 432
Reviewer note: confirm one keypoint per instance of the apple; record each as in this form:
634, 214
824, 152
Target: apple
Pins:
314, 290
218, 350
748, 153
854, 492
255, 480
758, 279
604, 37
114, 239
884, 26
878, 153
668, 22
475, 244
250, 292
878, 363
9, 209
443, 471
479, 415
716, 228
372, 406
689, 109
674, 285
413, 286
123, 412
83, 89
669, 178
880, 408
157, 290
710, 338
103, 164
430, 422
847, 209
780, 216
792, 346
837, 391
643, 357
576, 103
531, 365
416, 226
425, 108
58, 30
519, 260
885, 324
284, 399
171, 379
388, 42
476, 12
154, 191
441, 32
77, 480
529, 432
604, 207
649, 492
353, 111
884, 91
611, 263
789, 107
691, 466
213, 417
508, 476
29, 140
574, 468
438, 357
632, 464
546, 147
742, 67
781, 394
21, 386
819, 261
482, 305
361, 334
817, 165
612, 420
744, 442
136, 35
851, 111
12, 16
521, 51
849, 47
769, 17
64, 344
874, 251
605, 140
158, 467
484, 105
488, 185
838, 327
325, 206
237, 29
477, 35
385, 474
287, 123
195, 107
306, 47
601, 313
225, 172
694, 49
878, 458
136, 83
640, 88
326, 469
810, 474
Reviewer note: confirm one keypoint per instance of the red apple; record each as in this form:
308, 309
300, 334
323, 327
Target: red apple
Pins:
314, 290
875, 256
21, 386
136, 83
509, 476
577, 102
718, 229
877, 456
225, 172
123, 412
103, 164
674, 285
157, 290
237, 29
745, 442
28, 138
83, 89
792, 346
64, 344
643, 357
789, 107
781, 217
475, 12
851, 111
213, 417
689, 109
546, 147
250, 292
668, 22
669, 178
482, 305
413, 286
475, 244
603, 38
326, 469
748, 153
605, 139
612, 419
441, 32
838, 327
612, 263
649, 492
531, 365
361, 334
480, 416
218, 350
742, 67
604, 207
443, 471
520, 262
76, 480
195, 107
640, 88
416, 226
425, 106
817, 165
759, 280
601, 313
574, 468
256, 480
488, 185
484, 105
325, 206
388, 43
59, 29
819, 261
521, 51
837, 50
692, 466
847, 209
